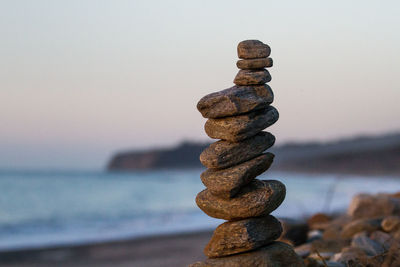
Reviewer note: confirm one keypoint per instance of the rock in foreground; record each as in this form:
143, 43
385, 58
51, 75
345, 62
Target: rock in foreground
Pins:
258, 198
232, 191
237, 128
370, 237
244, 235
226, 183
224, 154
276, 254
369, 206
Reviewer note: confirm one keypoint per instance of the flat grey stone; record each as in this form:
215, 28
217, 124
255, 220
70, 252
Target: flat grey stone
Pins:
235, 100
257, 63
242, 236
363, 242
252, 77
240, 127
258, 198
276, 254
226, 183
223, 154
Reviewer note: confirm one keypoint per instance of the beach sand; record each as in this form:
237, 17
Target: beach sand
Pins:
156, 251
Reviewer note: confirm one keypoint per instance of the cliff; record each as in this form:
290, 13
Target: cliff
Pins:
361, 155
185, 155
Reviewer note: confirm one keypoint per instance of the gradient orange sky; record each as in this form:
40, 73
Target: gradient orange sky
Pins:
82, 79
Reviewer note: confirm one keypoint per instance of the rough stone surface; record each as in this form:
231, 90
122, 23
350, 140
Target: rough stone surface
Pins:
360, 225
257, 63
393, 257
241, 236
351, 254
369, 246
382, 238
235, 100
328, 245
258, 198
391, 223
226, 183
252, 77
249, 49
237, 128
276, 254
224, 154
332, 233
369, 206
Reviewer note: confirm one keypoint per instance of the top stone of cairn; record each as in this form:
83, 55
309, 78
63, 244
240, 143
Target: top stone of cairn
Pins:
250, 49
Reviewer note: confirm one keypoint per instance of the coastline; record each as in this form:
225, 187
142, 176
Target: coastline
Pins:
166, 250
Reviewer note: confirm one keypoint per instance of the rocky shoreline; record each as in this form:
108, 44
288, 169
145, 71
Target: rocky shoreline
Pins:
367, 235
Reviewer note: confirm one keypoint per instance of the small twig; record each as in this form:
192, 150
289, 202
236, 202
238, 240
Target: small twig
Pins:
323, 260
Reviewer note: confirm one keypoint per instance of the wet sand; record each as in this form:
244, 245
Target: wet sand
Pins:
156, 251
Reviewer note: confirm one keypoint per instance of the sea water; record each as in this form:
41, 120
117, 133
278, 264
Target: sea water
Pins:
58, 208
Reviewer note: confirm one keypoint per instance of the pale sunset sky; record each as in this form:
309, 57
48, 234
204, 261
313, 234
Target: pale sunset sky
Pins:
82, 79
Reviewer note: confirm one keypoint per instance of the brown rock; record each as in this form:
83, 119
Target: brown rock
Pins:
257, 63
395, 195
328, 245
275, 254
249, 49
252, 77
360, 225
235, 100
224, 154
332, 232
393, 257
317, 220
226, 183
396, 235
369, 206
237, 128
258, 198
391, 223
241, 236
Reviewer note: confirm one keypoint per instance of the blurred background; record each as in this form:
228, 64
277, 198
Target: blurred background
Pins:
100, 135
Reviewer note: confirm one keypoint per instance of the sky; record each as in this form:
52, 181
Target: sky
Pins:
80, 79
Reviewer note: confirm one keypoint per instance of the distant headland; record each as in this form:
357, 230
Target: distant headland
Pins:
378, 155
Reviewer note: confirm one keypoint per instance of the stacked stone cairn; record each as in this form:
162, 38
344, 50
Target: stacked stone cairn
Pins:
238, 116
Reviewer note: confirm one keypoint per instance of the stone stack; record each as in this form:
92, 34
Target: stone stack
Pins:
238, 116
